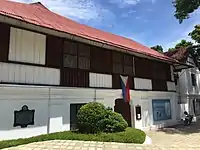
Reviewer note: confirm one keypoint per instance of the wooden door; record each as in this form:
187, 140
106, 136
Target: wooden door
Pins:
124, 109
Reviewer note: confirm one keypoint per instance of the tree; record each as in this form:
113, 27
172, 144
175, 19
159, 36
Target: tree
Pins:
184, 8
195, 34
181, 44
158, 48
171, 49
195, 53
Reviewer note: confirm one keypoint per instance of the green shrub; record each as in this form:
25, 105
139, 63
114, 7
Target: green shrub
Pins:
88, 117
113, 122
95, 117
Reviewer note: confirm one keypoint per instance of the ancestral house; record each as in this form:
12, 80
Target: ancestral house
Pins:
187, 81
50, 66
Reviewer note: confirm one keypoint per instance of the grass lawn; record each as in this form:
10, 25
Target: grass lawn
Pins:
131, 135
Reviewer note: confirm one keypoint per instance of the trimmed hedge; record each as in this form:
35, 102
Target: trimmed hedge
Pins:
113, 122
95, 117
130, 135
88, 117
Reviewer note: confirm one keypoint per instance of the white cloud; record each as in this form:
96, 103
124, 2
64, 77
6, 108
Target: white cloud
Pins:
123, 3
153, 1
76, 9
131, 2
128, 14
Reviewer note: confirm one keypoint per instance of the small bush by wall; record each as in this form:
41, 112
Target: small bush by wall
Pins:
88, 117
95, 117
113, 122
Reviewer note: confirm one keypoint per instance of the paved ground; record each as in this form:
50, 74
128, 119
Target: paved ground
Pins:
181, 136
174, 138
79, 145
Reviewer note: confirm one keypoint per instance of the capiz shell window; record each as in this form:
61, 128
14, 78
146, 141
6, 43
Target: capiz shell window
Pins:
161, 109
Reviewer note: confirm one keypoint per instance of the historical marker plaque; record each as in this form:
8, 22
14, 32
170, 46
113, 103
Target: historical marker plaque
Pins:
24, 117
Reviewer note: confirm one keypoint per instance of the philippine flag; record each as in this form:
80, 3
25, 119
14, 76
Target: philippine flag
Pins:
125, 88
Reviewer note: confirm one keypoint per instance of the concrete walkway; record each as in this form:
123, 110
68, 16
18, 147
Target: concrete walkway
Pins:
175, 138
178, 135
80, 145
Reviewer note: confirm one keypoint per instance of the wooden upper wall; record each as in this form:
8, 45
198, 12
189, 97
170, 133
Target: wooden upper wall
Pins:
77, 64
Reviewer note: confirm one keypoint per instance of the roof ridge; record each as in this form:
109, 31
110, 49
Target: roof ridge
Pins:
39, 4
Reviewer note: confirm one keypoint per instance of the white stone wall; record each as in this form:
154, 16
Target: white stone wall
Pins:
144, 99
13, 98
52, 107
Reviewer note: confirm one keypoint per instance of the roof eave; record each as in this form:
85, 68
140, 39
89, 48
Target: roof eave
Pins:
180, 66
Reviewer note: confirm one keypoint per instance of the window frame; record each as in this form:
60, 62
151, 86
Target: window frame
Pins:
196, 109
88, 57
76, 54
122, 63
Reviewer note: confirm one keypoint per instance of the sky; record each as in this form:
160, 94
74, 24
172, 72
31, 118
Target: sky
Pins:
149, 22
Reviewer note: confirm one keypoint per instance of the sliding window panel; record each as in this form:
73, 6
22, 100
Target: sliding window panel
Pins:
75, 78
159, 85
143, 84
84, 57
27, 46
70, 61
84, 63
116, 82
100, 80
100, 60
143, 68
54, 55
4, 41
25, 74
128, 65
70, 48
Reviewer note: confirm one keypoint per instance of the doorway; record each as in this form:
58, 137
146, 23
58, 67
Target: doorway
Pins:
124, 109
74, 108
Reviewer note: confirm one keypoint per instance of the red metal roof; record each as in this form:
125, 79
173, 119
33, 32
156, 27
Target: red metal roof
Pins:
39, 15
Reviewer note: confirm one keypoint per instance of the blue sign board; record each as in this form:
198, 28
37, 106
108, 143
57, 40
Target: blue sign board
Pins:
161, 109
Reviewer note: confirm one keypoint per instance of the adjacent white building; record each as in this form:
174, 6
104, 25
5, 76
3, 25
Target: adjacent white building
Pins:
187, 84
